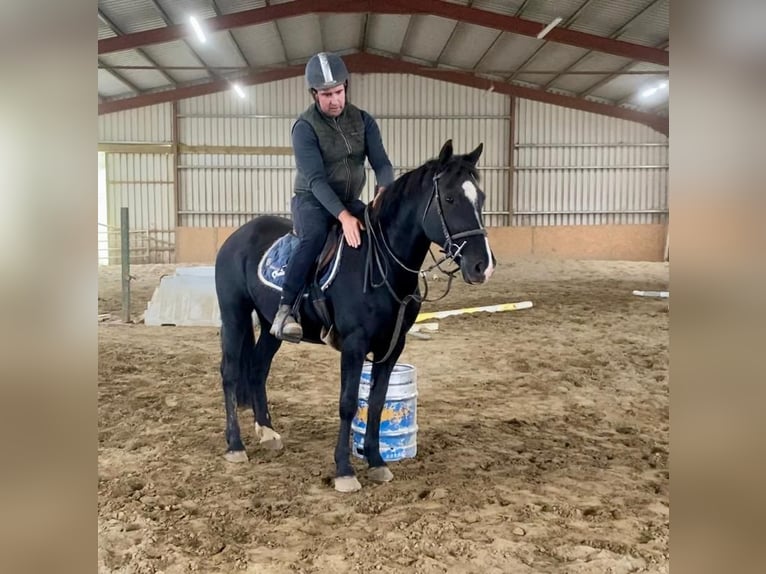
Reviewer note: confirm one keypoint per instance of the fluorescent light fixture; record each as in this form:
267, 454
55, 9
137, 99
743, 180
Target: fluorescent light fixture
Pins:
239, 90
549, 27
197, 29
649, 92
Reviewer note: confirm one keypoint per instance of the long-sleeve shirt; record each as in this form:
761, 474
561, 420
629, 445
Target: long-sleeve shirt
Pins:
310, 163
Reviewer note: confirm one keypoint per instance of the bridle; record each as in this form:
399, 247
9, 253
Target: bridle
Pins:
450, 248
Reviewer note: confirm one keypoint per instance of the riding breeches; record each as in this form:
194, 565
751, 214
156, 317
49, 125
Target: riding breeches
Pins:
312, 222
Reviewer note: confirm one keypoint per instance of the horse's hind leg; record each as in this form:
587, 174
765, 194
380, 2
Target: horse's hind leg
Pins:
262, 357
237, 343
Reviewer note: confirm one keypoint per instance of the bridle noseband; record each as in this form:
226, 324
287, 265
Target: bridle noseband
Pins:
450, 248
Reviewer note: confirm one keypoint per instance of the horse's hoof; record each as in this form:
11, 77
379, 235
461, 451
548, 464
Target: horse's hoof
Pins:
271, 443
269, 438
347, 484
380, 474
237, 456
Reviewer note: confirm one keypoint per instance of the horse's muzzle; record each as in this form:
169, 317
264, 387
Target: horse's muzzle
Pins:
477, 270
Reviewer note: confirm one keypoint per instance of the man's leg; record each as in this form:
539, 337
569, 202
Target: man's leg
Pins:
312, 222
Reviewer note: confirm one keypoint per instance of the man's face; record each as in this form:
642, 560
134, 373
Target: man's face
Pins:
332, 101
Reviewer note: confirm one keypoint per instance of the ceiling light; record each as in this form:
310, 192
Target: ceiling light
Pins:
648, 92
197, 29
549, 27
239, 90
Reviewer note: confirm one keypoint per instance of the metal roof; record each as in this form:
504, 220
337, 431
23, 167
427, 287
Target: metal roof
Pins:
599, 57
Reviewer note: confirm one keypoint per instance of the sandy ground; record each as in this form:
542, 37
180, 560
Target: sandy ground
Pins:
542, 443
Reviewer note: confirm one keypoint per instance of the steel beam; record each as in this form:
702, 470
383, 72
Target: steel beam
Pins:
233, 39
614, 35
369, 63
564, 24
120, 77
441, 8
116, 29
363, 34
606, 79
451, 35
149, 99
406, 36
169, 22
374, 64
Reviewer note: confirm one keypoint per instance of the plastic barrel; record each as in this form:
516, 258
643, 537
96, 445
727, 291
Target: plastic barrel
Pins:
398, 421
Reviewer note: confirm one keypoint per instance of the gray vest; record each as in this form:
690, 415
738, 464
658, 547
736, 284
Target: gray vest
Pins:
341, 142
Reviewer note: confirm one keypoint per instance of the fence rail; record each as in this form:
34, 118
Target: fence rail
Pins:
145, 246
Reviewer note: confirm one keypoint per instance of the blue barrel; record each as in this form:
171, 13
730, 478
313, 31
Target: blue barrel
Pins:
398, 421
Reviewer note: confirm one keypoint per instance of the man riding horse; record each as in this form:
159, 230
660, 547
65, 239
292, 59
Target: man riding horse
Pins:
331, 140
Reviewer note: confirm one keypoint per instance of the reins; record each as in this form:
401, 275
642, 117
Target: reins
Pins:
376, 258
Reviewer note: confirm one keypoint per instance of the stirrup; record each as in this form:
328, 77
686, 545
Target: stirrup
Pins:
285, 333
282, 320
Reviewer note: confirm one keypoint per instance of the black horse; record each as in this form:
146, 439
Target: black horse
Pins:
373, 300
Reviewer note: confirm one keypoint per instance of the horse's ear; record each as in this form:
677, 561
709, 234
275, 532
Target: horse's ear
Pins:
446, 152
473, 157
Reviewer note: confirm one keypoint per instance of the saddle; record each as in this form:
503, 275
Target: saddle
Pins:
273, 264
271, 272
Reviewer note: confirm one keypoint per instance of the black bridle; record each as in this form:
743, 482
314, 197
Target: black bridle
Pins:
450, 248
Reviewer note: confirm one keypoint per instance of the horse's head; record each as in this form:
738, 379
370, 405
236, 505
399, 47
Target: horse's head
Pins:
453, 216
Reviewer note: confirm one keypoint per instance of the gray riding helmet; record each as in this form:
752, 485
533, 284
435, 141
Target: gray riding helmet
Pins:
324, 71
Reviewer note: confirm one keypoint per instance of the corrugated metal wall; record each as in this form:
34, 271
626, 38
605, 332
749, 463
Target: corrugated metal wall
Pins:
570, 167
578, 168
416, 116
224, 189
144, 184
151, 124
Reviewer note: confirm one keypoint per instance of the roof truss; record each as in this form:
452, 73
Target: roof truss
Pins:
370, 63
458, 12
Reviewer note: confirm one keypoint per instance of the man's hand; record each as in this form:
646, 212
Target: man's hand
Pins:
351, 226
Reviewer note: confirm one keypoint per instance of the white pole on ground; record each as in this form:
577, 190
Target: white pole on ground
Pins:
662, 294
486, 309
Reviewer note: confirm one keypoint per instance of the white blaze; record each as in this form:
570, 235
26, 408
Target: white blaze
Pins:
473, 196
470, 192
490, 267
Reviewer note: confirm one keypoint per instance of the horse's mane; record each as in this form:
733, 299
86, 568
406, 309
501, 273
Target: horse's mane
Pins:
412, 182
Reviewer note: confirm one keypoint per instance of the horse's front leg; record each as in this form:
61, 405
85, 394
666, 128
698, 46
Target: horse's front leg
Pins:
352, 359
381, 373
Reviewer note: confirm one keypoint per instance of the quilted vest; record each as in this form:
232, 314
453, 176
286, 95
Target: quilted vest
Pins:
341, 142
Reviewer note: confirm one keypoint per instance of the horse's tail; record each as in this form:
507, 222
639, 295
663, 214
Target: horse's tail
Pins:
243, 389
238, 367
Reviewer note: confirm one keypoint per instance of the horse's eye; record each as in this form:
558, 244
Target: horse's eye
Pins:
450, 199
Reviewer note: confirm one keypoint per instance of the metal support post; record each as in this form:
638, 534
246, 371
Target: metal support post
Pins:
125, 258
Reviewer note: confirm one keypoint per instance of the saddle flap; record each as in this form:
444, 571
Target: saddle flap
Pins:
334, 237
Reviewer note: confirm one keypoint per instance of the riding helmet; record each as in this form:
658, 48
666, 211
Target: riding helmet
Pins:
324, 71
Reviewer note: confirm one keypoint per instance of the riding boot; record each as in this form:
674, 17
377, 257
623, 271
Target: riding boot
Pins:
285, 327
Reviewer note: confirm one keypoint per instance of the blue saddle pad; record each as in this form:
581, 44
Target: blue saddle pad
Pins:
271, 269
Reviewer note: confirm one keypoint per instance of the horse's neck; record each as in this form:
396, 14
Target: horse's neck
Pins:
404, 235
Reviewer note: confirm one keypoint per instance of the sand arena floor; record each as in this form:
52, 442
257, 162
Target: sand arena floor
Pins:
542, 444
